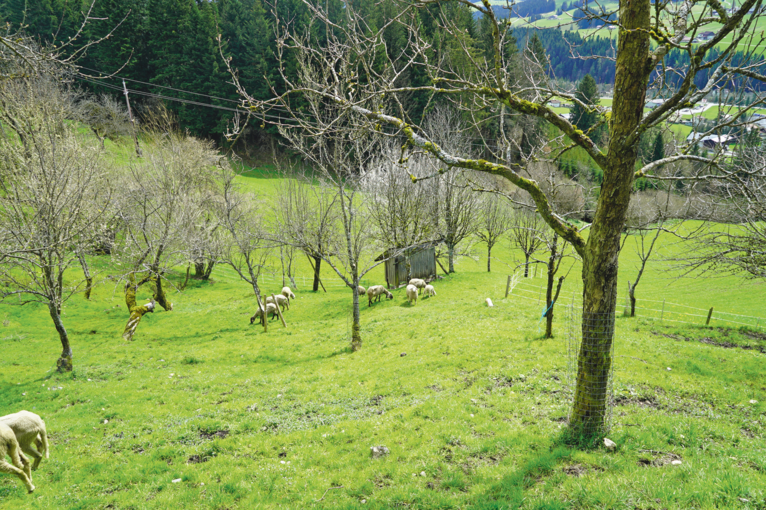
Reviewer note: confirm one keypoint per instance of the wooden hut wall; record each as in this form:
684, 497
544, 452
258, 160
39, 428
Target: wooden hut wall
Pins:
423, 263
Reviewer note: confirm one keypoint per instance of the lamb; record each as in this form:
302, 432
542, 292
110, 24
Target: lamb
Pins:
362, 291
28, 428
412, 294
271, 308
10, 446
282, 301
417, 282
374, 293
430, 291
286, 292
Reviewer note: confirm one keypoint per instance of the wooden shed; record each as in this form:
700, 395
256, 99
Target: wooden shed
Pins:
421, 259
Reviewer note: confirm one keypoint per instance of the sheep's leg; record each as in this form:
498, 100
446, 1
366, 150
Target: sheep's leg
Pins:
37, 456
18, 467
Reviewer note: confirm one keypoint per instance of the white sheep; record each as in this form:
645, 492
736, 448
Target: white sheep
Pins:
417, 282
10, 446
29, 428
430, 291
374, 293
282, 301
362, 291
286, 292
412, 294
271, 308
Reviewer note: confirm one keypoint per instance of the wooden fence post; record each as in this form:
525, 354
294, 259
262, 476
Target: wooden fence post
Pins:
508, 286
709, 315
279, 311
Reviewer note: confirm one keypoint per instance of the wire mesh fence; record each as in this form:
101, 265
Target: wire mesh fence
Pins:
590, 370
533, 290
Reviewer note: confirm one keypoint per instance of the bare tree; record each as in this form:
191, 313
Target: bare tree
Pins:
308, 213
105, 116
524, 234
159, 201
494, 222
250, 244
340, 156
350, 70
52, 190
403, 211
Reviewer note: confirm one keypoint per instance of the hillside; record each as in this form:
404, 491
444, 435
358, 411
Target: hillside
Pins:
203, 410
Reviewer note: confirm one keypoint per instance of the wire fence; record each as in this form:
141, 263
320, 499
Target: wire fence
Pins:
662, 310
590, 362
306, 281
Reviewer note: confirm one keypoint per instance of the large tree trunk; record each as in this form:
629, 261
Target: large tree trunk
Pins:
451, 255
199, 269
356, 330
64, 363
526, 265
317, 265
600, 260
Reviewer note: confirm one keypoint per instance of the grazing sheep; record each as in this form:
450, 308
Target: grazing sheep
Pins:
417, 282
282, 301
362, 291
374, 293
271, 308
430, 291
286, 292
412, 294
10, 446
29, 428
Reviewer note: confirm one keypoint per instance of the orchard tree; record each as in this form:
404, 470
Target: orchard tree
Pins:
352, 70
53, 190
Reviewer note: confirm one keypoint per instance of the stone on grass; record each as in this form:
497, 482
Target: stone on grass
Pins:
676, 462
377, 452
610, 445
176, 480
489, 303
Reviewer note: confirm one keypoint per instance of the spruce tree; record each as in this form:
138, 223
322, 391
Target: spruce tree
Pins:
658, 151
587, 92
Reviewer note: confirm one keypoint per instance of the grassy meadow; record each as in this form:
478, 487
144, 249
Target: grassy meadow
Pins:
203, 410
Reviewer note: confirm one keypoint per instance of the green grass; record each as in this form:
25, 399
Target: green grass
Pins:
470, 400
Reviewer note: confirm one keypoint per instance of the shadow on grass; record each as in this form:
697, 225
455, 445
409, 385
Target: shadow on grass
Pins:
509, 492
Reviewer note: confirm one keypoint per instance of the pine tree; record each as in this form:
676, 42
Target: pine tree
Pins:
587, 93
658, 151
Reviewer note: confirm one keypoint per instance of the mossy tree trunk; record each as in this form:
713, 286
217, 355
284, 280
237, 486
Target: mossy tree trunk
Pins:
526, 265
600, 257
136, 311
64, 363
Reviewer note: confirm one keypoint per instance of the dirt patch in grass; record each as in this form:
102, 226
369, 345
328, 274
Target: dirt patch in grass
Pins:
726, 345
658, 459
645, 402
207, 434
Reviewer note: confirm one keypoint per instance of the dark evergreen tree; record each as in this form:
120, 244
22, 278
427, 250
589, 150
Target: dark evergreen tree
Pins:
658, 149
585, 117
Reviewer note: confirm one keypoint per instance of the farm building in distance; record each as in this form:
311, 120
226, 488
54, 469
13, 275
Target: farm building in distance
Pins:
421, 259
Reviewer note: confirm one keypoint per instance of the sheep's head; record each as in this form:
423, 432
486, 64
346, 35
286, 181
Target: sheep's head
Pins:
252, 319
389, 295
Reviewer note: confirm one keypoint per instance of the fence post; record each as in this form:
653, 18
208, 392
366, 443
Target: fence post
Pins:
279, 312
709, 314
508, 286
662, 313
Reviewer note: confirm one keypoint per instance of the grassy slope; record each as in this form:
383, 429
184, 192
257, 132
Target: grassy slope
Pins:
472, 413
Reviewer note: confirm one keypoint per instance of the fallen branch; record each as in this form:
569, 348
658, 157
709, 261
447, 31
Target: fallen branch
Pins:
328, 490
